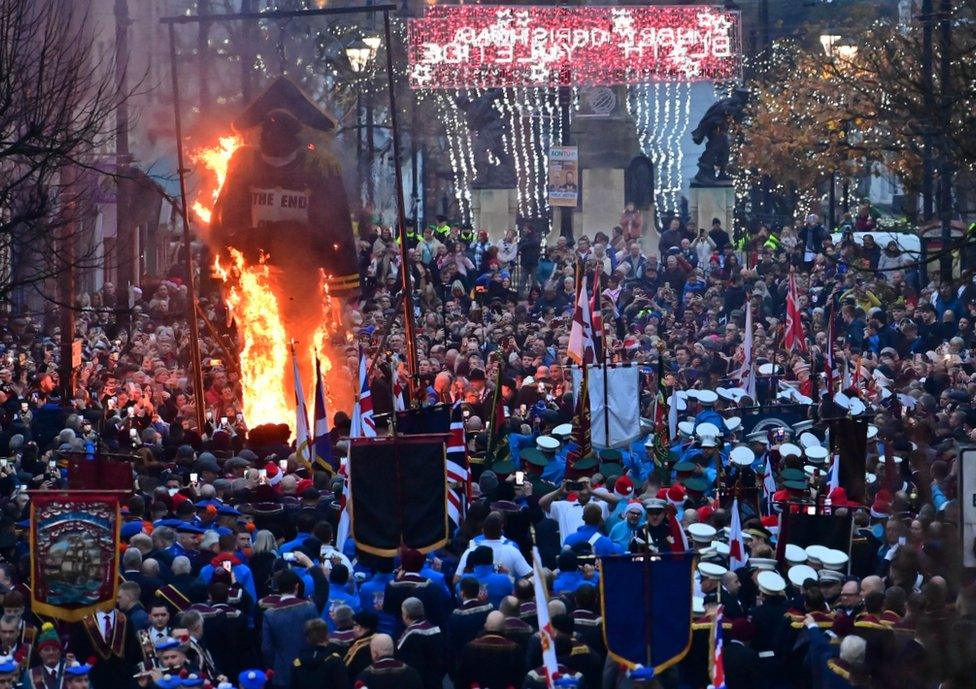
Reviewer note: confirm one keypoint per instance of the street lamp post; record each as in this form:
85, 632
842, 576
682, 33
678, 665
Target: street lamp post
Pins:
360, 52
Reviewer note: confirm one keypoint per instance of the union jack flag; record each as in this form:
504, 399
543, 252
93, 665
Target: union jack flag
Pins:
457, 467
363, 425
718, 656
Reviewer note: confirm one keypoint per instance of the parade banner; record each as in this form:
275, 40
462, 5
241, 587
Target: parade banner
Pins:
435, 419
398, 493
849, 440
647, 608
100, 472
829, 530
967, 504
614, 414
563, 176
622, 391
74, 546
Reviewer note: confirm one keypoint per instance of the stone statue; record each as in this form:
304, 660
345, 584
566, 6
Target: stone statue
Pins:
495, 167
714, 126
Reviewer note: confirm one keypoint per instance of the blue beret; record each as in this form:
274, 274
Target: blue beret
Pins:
191, 681
167, 643
252, 679
130, 529
168, 682
642, 673
204, 504
227, 511
223, 531
187, 527
77, 670
8, 665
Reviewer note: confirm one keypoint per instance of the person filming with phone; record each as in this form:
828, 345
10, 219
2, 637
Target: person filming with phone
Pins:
566, 505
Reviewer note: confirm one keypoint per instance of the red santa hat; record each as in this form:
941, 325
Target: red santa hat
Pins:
880, 509
704, 512
273, 473
631, 344
623, 486
838, 497
676, 495
771, 523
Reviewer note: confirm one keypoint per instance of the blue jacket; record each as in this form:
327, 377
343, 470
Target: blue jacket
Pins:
494, 585
601, 547
337, 597
371, 598
568, 582
294, 544
242, 575
283, 636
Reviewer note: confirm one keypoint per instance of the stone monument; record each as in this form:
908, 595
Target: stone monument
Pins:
606, 136
711, 190
494, 199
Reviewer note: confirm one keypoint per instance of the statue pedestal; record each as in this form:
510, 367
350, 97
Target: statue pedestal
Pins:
602, 201
708, 203
494, 211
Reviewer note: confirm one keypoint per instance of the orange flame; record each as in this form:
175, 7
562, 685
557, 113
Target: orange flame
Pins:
253, 295
216, 159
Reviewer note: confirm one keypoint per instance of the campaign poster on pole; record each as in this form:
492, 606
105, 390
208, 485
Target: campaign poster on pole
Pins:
564, 176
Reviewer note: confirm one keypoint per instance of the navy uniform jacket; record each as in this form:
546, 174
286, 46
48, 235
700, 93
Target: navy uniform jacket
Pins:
422, 647
283, 635
772, 640
490, 661
412, 585
388, 673
465, 624
319, 668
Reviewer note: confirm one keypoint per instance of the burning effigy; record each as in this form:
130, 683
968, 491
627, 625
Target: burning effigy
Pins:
282, 236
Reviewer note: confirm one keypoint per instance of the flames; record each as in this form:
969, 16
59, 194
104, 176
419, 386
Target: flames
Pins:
215, 159
261, 298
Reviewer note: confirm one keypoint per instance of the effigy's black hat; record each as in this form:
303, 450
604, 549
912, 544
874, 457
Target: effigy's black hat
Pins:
285, 95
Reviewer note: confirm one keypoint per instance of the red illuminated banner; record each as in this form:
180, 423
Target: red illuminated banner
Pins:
486, 46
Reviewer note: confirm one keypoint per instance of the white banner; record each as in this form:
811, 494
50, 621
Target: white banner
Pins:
623, 391
967, 503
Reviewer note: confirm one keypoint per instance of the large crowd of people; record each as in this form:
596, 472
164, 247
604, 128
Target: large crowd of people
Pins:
231, 571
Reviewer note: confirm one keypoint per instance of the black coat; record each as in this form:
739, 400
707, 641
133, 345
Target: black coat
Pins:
422, 648
741, 666
464, 625
492, 662
388, 673
319, 668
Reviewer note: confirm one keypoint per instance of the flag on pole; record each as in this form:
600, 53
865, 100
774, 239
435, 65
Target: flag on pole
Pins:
718, 655
363, 425
769, 484
737, 544
547, 636
322, 456
581, 348
597, 318
747, 372
458, 470
303, 444
793, 337
829, 358
834, 481
673, 415
497, 420
399, 404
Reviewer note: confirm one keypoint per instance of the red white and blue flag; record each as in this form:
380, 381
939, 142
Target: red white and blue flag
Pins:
718, 655
737, 544
303, 450
322, 455
793, 337
458, 470
399, 404
363, 425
